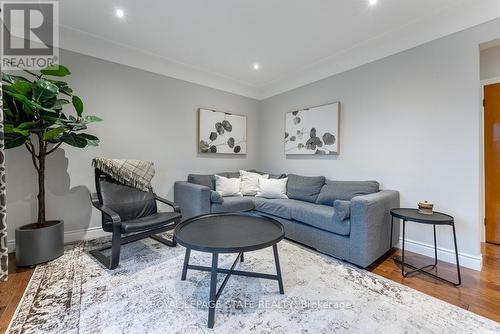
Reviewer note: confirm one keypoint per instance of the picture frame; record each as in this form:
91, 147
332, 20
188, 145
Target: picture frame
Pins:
221, 132
313, 130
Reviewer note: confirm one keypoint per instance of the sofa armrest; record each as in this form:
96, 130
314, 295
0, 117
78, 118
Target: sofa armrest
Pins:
371, 226
193, 199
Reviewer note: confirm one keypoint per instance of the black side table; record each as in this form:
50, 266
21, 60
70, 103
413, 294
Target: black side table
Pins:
436, 218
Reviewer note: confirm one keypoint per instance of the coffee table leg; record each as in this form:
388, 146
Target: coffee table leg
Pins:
213, 291
186, 263
242, 258
278, 269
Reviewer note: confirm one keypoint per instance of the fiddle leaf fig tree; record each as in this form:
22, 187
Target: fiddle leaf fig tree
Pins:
34, 118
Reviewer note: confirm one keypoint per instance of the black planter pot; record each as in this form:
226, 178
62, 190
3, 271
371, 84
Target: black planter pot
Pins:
36, 245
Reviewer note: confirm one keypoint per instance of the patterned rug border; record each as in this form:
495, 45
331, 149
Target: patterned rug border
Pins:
22, 300
36, 277
39, 273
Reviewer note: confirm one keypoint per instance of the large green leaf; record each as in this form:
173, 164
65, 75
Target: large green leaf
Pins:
14, 140
53, 133
90, 119
56, 71
63, 87
7, 111
87, 136
45, 93
59, 103
19, 87
11, 129
28, 104
26, 125
9, 78
74, 140
78, 104
91, 140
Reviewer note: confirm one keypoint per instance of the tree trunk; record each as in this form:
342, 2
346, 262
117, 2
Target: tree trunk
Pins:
41, 181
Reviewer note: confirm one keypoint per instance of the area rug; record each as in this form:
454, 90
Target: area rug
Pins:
75, 294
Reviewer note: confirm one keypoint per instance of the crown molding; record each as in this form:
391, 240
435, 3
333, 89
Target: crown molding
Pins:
450, 21
439, 24
95, 46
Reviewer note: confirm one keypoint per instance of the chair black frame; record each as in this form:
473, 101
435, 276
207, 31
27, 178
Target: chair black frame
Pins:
117, 240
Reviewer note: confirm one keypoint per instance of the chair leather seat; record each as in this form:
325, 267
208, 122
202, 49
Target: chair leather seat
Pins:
155, 220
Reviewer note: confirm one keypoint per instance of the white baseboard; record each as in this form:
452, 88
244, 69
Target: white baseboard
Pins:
71, 236
444, 254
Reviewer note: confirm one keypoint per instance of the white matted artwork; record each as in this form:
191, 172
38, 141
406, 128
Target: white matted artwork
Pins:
313, 130
222, 132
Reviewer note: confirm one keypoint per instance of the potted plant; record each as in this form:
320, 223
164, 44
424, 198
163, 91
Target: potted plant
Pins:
34, 118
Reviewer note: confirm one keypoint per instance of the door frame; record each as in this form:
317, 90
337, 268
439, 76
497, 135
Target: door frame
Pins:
486, 82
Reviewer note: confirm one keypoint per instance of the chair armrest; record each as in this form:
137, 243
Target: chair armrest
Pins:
112, 214
169, 203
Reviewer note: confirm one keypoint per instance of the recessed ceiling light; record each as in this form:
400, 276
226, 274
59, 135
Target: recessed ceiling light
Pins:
256, 66
372, 2
120, 13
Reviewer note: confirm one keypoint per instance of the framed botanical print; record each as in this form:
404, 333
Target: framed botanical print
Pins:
221, 132
313, 130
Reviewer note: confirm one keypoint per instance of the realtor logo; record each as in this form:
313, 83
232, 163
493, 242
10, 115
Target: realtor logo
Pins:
30, 34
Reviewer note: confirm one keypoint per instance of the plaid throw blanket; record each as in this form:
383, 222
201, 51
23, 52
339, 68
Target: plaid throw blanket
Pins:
133, 173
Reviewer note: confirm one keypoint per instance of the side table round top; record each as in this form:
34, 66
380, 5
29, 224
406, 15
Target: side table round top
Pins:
415, 216
229, 232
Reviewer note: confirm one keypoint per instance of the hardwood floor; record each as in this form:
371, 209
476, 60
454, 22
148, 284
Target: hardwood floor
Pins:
479, 292
12, 291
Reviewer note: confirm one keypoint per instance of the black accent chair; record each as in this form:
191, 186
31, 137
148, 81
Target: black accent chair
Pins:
129, 214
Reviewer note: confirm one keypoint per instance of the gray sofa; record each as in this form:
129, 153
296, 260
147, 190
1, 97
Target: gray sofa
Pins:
349, 220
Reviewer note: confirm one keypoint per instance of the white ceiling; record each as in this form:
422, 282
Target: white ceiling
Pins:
216, 42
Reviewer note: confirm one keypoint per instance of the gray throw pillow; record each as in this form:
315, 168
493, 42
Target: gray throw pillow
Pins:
215, 197
342, 210
271, 176
304, 188
203, 180
345, 190
230, 175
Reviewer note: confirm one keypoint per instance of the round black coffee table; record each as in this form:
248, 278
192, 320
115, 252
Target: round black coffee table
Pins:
228, 233
436, 218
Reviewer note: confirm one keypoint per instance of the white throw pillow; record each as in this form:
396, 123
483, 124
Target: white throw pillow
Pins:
227, 187
272, 188
250, 182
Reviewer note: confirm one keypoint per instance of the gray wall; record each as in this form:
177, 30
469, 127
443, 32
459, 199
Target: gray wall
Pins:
146, 116
412, 121
490, 63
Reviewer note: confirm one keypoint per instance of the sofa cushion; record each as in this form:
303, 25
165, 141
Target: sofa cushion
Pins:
227, 186
230, 175
279, 207
320, 216
271, 176
203, 180
304, 188
345, 190
272, 188
250, 182
215, 197
233, 204
342, 210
